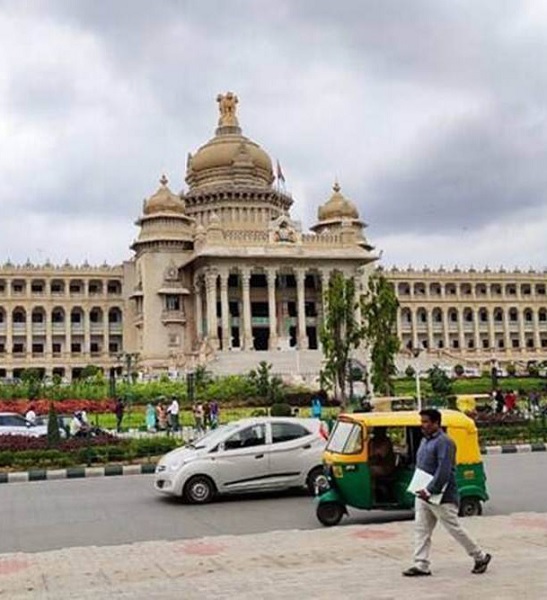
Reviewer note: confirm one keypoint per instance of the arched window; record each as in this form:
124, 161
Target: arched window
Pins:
421, 315
403, 289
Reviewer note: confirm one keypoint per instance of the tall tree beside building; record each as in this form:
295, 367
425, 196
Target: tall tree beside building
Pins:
340, 334
379, 310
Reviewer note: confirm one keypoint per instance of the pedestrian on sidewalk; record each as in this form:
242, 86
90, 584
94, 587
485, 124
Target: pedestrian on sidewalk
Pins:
436, 456
150, 417
173, 414
119, 410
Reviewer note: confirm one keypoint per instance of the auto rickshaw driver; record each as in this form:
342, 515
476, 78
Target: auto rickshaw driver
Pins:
382, 463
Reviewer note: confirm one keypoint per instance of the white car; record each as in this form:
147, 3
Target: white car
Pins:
15, 424
259, 454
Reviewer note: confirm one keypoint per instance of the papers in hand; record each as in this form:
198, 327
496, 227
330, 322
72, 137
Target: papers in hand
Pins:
420, 481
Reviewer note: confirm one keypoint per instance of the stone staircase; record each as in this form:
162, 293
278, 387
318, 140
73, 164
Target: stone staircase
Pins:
305, 364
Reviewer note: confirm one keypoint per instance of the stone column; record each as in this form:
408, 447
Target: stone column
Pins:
476, 329
537, 336
9, 331
211, 299
414, 323
272, 314
430, 342
225, 312
522, 337
198, 310
86, 350
106, 336
302, 338
248, 342
506, 332
446, 335
68, 331
48, 350
491, 332
399, 324
28, 330
461, 333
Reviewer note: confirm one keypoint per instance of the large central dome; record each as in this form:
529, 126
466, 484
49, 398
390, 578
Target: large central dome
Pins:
229, 159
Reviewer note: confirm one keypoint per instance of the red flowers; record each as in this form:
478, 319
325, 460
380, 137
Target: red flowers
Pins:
41, 407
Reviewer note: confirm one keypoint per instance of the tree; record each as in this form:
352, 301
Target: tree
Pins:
511, 369
90, 371
340, 334
379, 309
32, 378
267, 386
53, 434
441, 385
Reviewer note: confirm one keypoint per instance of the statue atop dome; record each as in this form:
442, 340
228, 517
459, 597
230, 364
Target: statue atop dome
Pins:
227, 105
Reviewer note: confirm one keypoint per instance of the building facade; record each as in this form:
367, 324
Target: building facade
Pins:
222, 275
472, 317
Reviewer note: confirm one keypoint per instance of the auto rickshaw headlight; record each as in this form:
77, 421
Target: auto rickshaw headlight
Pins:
321, 485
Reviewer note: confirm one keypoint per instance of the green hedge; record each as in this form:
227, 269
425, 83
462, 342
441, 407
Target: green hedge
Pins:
122, 452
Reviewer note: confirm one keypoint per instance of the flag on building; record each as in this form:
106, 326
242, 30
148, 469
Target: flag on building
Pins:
280, 176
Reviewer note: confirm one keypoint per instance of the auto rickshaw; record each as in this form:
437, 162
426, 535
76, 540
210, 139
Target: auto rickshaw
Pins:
348, 480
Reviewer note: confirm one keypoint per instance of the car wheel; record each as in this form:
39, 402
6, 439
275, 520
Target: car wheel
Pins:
199, 490
470, 507
330, 513
316, 475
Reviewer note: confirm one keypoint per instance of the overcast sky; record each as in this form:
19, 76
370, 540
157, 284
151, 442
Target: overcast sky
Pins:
431, 114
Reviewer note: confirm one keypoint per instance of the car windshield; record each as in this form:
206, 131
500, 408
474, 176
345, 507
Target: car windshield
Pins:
346, 438
213, 437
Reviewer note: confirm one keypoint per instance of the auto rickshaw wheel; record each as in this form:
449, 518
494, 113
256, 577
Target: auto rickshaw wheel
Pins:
330, 513
470, 507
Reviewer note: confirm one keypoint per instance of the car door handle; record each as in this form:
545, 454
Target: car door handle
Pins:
307, 446
259, 455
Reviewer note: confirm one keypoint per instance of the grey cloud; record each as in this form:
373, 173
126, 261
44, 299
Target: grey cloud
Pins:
484, 170
315, 80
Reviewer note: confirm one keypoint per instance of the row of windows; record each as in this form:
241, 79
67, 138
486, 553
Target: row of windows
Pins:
469, 315
59, 315
57, 348
484, 343
113, 287
469, 289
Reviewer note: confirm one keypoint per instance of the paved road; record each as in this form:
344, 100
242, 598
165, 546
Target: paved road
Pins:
56, 514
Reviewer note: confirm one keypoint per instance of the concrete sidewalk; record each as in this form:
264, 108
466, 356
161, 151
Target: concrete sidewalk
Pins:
362, 562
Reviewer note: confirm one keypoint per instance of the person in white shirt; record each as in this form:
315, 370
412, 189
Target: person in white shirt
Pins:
30, 415
173, 414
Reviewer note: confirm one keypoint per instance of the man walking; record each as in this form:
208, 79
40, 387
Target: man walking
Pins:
173, 414
436, 456
119, 410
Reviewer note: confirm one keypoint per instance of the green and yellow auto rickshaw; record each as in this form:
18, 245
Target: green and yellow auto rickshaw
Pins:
349, 480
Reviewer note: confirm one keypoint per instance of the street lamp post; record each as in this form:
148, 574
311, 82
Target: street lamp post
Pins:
416, 354
128, 359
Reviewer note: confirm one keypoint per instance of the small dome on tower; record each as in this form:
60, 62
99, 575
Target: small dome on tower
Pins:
164, 200
337, 207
